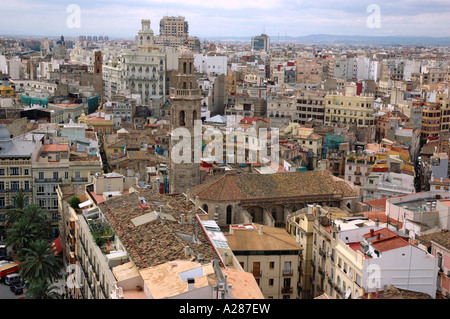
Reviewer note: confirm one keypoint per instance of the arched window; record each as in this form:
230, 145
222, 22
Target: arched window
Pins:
194, 117
252, 213
229, 214
182, 118
184, 67
205, 208
274, 214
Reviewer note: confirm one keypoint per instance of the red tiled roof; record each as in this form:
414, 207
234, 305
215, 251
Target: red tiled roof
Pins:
55, 148
388, 240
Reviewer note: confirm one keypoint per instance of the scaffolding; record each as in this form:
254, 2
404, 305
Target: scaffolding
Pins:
332, 142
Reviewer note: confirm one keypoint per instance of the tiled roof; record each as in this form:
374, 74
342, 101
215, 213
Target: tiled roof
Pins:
272, 238
55, 148
154, 243
442, 238
388, 240
281, 185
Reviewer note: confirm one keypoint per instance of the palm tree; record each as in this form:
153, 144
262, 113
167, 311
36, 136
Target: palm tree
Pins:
41, 289
22, 234
20, 200
38, 262
36, 216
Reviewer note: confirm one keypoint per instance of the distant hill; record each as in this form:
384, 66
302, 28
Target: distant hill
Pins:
349, 39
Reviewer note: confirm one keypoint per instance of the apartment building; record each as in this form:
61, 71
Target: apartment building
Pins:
358, 167
355, 256
270, 254
431, 118
300, 227
281, 107
16, 158
349, 108
309, 71
261, 43
174, 32
58, 163
310, 105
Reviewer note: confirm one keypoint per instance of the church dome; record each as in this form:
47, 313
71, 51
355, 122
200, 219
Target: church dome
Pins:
186, 53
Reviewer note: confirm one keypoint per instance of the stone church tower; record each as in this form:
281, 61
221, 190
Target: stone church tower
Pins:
185, 108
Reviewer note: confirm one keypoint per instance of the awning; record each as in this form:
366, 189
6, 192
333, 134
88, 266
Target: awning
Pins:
56, 247
84, 204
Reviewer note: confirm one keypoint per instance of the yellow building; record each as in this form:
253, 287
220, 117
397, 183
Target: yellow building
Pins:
349, 108
271, 255
6, 91
300, 227
101, 122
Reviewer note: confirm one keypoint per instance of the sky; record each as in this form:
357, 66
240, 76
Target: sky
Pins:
228, 18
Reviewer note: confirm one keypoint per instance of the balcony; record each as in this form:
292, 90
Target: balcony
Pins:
79, 179
286, 290
48, 180
194, 93
287, 273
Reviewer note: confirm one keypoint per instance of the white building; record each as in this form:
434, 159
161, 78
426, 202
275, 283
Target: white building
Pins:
210, 64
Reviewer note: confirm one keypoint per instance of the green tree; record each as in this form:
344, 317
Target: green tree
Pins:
28, 227
38, 262
73, 202
19, 201
41, 289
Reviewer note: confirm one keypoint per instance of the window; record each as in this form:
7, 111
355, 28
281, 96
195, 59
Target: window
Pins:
26, 171
14, 171
271, 281
2, 202
272, 265
2, 186
287, 268
41, 175
14, 186
358, 280
26, 185
2, 171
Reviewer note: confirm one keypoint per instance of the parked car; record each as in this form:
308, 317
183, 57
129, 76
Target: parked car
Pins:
17, 289
12, 279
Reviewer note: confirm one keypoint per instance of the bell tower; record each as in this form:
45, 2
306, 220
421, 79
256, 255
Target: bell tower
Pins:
185, 109
145, 35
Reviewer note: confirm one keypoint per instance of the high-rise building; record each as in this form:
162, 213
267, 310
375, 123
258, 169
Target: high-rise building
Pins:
260, 43
174, 32
173, 27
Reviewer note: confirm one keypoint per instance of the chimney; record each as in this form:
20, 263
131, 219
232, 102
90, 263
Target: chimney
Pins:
231, 231
157, 185
190, 283
378, 236
187, 252
230, 289
371, 232
377, 222
261, 230
182, 219
188, 195
197, 203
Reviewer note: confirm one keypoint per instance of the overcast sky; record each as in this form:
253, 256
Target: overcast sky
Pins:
208, 18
